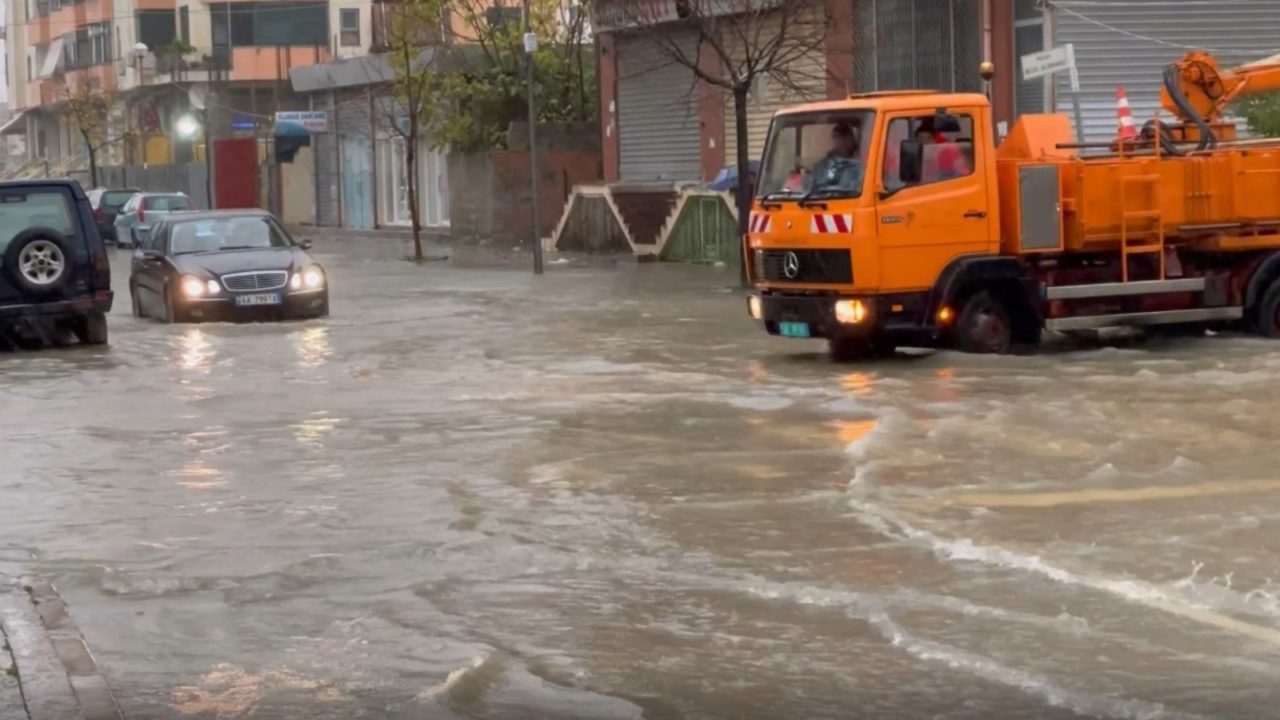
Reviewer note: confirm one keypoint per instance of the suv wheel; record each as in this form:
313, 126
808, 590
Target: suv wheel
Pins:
38, 261
91, 328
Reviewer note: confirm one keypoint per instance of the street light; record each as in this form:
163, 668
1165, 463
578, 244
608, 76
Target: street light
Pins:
186, 127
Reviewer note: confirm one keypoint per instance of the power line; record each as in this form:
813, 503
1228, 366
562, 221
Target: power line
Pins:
1060, 6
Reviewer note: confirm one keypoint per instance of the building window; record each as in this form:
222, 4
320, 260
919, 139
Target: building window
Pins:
156, 28
86, 47
184, 23
1030, 96
350, 26
901, 44
271, 24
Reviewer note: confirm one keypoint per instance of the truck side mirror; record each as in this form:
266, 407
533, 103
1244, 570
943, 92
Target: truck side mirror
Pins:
911, 162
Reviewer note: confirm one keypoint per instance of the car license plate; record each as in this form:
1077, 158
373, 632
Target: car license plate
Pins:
793, 329
259, 299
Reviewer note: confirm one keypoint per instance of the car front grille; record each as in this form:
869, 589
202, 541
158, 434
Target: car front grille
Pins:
804, 266
262, 280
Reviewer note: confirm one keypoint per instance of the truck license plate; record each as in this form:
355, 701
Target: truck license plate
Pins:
259, 299
793, 329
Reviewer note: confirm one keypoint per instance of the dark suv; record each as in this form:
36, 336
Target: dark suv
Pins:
55, 281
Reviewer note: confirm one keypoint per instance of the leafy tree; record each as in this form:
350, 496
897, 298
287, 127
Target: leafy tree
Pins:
482, 89
1262, 114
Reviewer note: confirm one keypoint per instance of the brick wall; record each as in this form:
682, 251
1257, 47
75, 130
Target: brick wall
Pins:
489, 192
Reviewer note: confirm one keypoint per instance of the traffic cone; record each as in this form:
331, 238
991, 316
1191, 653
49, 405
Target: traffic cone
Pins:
1125, 116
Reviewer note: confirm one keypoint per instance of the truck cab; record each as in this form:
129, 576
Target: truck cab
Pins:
864, 206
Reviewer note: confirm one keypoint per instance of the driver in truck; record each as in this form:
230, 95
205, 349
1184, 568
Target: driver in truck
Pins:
840, 166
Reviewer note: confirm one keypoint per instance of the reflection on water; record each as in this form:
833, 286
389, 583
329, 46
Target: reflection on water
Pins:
229, 691
195, 351
858, 383
196, 475
312, 430
312, 346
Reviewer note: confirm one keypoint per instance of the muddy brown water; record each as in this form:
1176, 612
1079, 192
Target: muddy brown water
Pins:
604, 494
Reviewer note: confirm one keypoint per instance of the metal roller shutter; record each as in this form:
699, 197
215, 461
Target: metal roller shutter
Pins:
909, 44
658, 131
1128, 42
768, 96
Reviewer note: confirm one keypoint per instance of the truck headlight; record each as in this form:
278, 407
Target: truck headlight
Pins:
851, 312
755, 307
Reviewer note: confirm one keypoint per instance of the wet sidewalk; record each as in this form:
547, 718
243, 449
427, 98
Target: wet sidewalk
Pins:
47, 671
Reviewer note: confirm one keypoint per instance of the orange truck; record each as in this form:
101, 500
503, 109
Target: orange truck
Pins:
892, 218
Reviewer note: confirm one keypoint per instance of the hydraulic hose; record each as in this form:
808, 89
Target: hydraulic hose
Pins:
1207, 138
1159, 132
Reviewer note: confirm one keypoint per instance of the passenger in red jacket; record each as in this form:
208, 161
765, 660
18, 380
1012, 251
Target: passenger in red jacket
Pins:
944, 161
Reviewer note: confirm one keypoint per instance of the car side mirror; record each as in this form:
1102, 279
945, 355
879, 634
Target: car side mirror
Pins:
150, 255
911, 162
305, 244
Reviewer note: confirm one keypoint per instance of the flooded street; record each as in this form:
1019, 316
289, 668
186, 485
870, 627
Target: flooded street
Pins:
605, 494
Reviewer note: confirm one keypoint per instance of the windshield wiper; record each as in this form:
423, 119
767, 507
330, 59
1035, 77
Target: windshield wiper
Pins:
239, 247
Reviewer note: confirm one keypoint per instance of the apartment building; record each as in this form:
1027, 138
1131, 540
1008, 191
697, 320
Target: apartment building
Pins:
162, 59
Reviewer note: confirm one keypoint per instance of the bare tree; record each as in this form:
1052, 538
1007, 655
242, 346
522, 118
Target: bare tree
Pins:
740, 43
412, 31
89, 110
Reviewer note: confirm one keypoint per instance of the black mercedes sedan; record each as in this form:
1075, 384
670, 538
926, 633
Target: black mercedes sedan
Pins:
225, 265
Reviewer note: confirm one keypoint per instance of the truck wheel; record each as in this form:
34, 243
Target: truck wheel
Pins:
984, 326
1269, 313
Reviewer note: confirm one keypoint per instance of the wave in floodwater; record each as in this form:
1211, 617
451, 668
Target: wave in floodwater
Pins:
1031, 683
1186, 598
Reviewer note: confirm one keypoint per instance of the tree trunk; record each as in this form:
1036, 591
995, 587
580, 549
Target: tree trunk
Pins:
93, 161
411, 171
744, 179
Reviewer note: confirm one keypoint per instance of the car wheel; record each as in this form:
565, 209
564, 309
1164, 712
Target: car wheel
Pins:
172, 313
91, 328
984, 326
38, 261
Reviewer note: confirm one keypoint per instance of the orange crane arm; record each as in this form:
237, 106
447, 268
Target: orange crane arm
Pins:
1209, 90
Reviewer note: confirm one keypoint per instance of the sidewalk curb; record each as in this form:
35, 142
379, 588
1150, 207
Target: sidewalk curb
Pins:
57, 674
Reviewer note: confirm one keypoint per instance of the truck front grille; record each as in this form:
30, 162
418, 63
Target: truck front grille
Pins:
804, 266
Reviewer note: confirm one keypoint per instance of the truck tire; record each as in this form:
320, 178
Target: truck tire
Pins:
984, 326
38, 261
1269, 312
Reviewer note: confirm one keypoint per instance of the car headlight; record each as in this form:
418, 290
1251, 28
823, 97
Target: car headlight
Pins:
312, 277
193, 287
212, 287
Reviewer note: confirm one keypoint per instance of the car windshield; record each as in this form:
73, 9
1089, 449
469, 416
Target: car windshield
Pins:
816, 155
115, 199
231, 233
166, 203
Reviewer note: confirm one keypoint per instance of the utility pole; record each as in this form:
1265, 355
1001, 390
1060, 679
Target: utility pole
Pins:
530, 46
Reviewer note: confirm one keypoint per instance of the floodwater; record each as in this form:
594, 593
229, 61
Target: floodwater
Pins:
604, 494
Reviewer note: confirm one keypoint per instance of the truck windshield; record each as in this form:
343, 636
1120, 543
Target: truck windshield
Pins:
816, 155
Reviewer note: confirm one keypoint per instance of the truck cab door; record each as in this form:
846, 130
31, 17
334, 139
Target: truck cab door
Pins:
925, 222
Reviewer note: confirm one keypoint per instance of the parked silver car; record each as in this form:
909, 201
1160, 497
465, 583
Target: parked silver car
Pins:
134, 222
